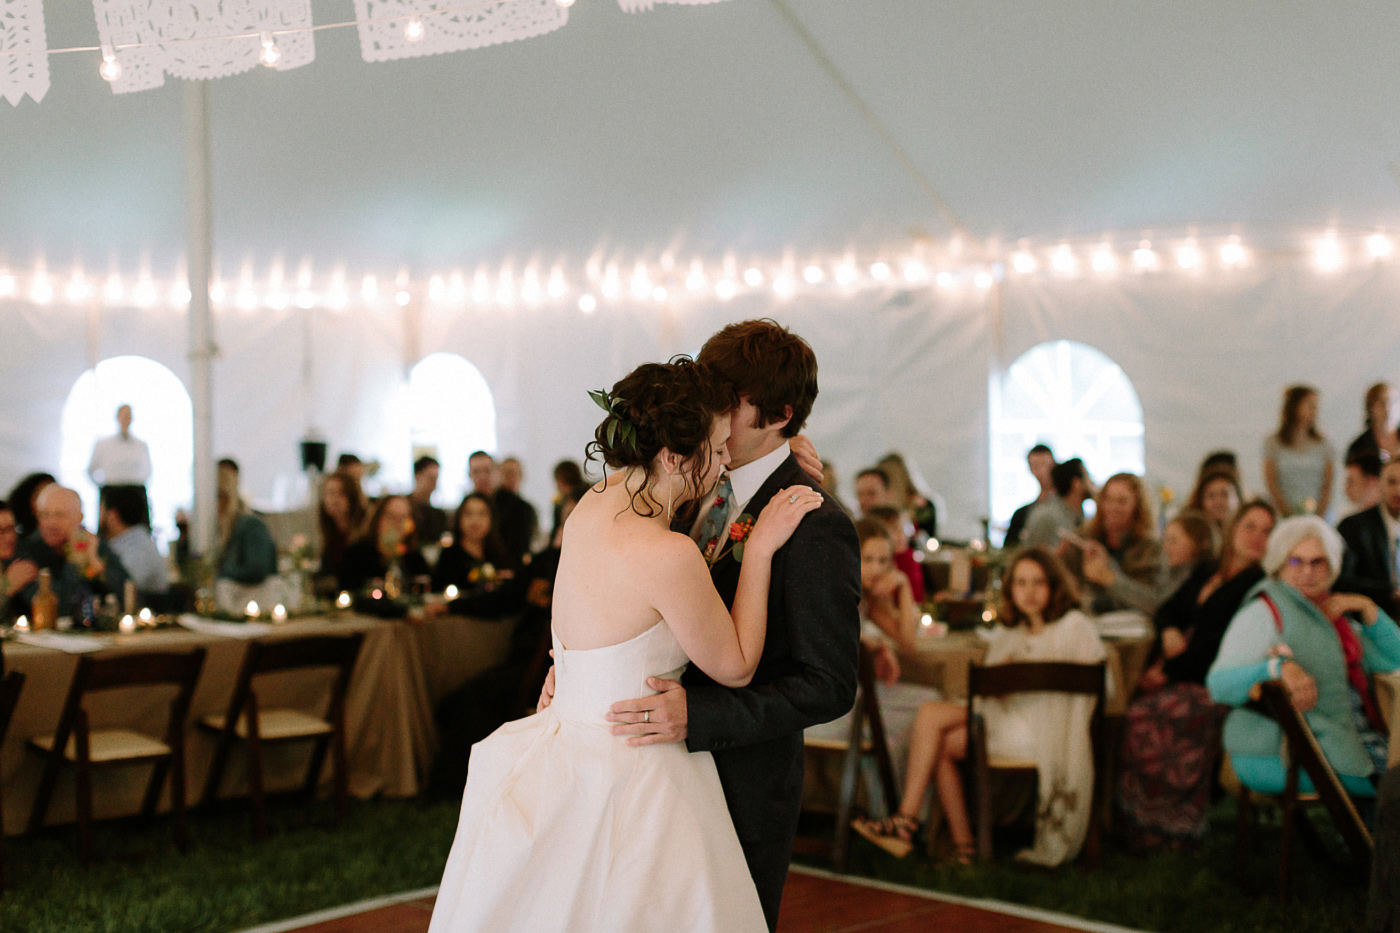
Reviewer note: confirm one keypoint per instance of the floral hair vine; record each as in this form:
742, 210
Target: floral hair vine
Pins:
618, 426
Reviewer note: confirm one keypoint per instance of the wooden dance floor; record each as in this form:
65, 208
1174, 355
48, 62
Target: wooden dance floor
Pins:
813, 902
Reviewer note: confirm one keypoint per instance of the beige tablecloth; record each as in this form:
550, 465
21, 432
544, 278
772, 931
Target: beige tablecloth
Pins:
402, 671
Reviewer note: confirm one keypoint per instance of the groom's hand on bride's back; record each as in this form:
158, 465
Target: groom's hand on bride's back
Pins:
653, 720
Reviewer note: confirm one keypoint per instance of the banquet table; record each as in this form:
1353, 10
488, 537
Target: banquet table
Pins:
403, 670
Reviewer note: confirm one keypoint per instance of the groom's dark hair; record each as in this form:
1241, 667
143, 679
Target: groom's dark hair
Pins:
768, 364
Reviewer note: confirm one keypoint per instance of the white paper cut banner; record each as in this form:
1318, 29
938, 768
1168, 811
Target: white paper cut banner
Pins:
22, 30
410, 28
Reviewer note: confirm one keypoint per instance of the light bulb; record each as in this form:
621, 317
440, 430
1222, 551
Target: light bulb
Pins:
695, 279
880, 271
983, 279
1378, 245
41, 288
587, 304
915, 271
659, 293
413, 32
1143, 257
565, 3
7, 284
252, 608
813, 274
1062, 260
270, 55
557, 287
1232, 253
753, 278
1023, 262
110, 69
343, 600
846, 273
944, 279
784, 285
402, 298
1188, 256
1103, 260
726, 289
1327, 254
369, 288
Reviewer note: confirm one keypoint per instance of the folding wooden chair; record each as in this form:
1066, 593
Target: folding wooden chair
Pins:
9, 698
852, 750
76, 743
1305, 755
1028, 677
246, 721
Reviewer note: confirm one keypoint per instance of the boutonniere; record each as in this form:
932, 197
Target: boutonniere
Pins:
739, 531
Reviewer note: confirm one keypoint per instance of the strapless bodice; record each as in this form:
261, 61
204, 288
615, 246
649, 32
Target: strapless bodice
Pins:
589, 681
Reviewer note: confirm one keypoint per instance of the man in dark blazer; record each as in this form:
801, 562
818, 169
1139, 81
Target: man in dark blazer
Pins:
807, 672
1368, 566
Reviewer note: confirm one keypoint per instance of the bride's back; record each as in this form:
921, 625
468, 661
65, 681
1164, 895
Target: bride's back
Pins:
607, 569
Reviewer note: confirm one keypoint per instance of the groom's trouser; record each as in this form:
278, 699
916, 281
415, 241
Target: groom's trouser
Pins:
763, 788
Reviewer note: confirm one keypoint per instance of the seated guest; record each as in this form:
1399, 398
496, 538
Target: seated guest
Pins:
1369, 564
24, 499
831, 485
1322, 645
904, 560
1298, 458
480, 706
907, 494
1050, 521
1217, 495
1189, 540
568, 481
478, 557
1361, 476
1038, 622
124, 512
430, 521
1115, 555
1379, 437
15, 575
1041, 461
80, 565
1219, 460
388, 538
515, 517
1171, 732
872, 489
246, 552
340, 516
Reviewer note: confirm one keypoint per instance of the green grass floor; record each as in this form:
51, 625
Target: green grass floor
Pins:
226, 882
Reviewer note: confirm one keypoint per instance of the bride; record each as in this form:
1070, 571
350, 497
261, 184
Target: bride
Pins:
564, 826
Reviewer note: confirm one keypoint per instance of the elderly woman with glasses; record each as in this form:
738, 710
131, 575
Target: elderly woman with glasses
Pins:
1322, 645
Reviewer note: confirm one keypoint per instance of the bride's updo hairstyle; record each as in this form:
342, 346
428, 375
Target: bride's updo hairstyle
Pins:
660, 405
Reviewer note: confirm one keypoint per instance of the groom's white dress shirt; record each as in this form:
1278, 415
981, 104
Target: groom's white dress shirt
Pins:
746, 481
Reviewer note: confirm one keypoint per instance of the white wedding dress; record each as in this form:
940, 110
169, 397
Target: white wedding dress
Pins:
565, 827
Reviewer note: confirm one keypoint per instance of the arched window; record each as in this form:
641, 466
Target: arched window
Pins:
1071, 397
161, 416
451, 413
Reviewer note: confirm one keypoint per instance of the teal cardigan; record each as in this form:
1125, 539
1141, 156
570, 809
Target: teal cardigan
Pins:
1243, 662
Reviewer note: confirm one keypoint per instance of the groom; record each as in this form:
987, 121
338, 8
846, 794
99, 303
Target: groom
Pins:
807, 673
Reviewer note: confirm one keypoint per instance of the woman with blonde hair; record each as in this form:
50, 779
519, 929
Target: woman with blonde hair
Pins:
907, 494
1116, 556
1298, 457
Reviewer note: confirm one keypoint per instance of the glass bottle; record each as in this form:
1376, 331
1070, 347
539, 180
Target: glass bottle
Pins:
45, 605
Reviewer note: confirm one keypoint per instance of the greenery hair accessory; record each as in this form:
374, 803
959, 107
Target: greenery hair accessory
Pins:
618, 425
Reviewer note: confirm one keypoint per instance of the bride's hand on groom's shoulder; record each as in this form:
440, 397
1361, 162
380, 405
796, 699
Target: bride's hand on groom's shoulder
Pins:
807, 457
655, 720
780, 518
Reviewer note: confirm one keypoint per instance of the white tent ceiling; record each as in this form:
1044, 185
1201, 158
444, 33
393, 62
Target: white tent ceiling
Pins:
714, 127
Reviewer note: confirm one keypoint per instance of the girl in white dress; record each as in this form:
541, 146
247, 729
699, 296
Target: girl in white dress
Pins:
1037, 622
564, 826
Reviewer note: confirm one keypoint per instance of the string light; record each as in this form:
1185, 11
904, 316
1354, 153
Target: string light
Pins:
270, 54
813, 274
565, 3
437, 288
78, 289
369, 288
1232, 253
726, 289
785, 285
1144, 259
110, 69
659, 293
413, 32
1023, 262
1188, 256
915, 271
1378, 246
944, 279
1062, 260
1103, 260
880, 271
1327, 254
695, 278
531, 292
7, 284
557, 287
846, 272
753, 278
41, 287
983, 279
587, 303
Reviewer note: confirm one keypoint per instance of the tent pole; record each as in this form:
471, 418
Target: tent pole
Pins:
199, 244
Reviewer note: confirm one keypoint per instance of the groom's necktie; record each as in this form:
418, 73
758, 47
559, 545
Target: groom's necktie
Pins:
716, 521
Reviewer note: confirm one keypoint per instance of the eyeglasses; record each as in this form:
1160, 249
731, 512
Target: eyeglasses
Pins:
1317, 563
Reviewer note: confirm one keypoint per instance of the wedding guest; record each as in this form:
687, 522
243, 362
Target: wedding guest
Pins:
895, 526
122, 460
872, 489
1041, 460
1379, 436
1220, 460
1116, 557
23, 499
388, 538
831, 485
1298, 458
512, 474
1038, 622
1172, 731
352, 467
1050, 521
515, 517
907, 493
568, 482
478, 557
1217, 495
123, 516
1361, 481
481, 705
80, 566
1189, 540
340, 516
1369, 564
430, 521
1323, 646
245, 553
15, 575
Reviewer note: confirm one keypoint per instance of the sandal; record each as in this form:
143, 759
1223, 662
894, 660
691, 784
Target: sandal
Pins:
895, 834
964, 853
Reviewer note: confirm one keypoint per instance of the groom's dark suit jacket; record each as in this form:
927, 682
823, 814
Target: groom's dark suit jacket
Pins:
1368, 558
806, 675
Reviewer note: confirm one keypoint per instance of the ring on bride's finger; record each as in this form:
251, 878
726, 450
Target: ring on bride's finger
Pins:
646, 715
792, 499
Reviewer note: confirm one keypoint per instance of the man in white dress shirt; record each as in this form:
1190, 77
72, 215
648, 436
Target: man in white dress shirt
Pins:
122, 460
